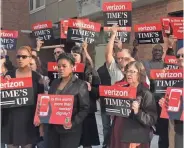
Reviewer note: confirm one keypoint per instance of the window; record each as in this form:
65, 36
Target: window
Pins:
36, 5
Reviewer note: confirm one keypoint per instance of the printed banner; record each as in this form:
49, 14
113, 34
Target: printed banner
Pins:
170, 62
54, 109
173, 26
119, 13
117, 100
8, 39
16, 92
80, 30
173, 106
123, 34
161, 79
53, 71
149, 33
43, 30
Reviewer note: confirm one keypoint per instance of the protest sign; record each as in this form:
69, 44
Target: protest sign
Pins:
119, 13
173, 107
78, 70
8, 39
148, 33
117, 100
54, 109
123, 34
43, 30
161, 79
80, 30
170, 62
16, 92
173, 26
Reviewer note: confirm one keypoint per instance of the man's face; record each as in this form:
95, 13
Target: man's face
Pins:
120, 56
157, 52
57, 52
180, 57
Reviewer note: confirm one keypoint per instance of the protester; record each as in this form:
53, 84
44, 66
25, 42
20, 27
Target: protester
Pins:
16, 132
89, 135
135, 130
178, 126
68, 135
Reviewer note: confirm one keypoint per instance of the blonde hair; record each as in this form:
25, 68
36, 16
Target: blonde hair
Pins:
27, 48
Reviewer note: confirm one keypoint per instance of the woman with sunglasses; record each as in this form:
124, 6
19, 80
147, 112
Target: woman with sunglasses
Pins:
178, 125
90, 135
17, 124
68, 135
134, 131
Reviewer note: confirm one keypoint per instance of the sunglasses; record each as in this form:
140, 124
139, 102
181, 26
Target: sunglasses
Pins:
179, 55
57, 52
22, 56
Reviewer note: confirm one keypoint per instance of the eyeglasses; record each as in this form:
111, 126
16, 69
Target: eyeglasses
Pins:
179, 55
57, 52
130, 72
22, 56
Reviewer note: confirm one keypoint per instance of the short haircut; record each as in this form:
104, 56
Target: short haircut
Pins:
140, 68
116, 49
68, 57
158, 46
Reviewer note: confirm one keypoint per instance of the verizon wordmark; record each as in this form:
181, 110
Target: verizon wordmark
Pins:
116, 100
161, 79
148, 33
8, 39
123, 34
43, 30
170, 62
117, 13
16, 92
80, 30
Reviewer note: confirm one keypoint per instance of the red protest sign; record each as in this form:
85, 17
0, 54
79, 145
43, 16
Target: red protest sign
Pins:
173, 106
150, 33
173, 26
16, 92
54, 109
170, 62
8, 39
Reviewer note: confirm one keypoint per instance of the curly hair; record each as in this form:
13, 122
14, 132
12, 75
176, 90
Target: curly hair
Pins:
68, 57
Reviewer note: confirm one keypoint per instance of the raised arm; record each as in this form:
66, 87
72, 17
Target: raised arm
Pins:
85, 46
109, 48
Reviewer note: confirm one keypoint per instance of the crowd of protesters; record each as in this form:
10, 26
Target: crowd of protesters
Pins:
122, 67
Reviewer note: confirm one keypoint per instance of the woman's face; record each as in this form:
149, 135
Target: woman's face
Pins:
23, 58
180, 59
132, 75
33, 65
76, 56
64, 68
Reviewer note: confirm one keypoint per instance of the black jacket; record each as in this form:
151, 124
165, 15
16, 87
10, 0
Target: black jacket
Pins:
136, 128
104, 75
79, 90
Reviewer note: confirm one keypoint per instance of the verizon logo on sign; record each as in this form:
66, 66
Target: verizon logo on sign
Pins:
145, 28
82, 25
4, 34
40, 26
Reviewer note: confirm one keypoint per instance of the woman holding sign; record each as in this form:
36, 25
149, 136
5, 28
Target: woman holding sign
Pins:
17, 122
90, 135
69, 134
178, 125
136, 129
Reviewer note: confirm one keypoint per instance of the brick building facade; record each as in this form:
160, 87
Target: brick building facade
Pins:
15, 16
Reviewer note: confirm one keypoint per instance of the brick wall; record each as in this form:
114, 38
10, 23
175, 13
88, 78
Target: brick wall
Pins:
152, 13
15, 16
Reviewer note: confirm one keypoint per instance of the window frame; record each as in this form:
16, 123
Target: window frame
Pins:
34, 7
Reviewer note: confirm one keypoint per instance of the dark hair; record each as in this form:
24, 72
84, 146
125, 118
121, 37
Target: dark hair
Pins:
38, 64
140, 68
78, 50
68, 57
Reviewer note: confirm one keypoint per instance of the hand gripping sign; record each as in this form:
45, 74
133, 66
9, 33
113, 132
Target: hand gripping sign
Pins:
54, 109
173, 105
117, 100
